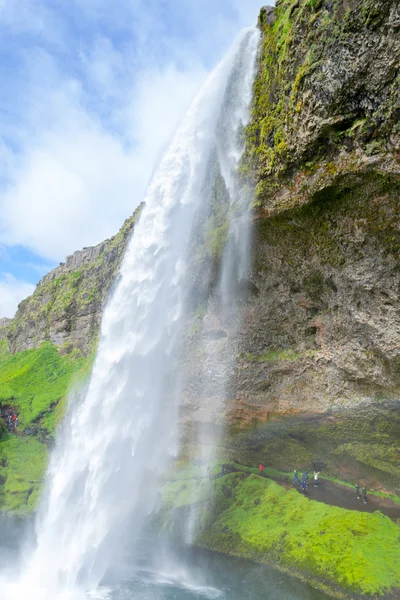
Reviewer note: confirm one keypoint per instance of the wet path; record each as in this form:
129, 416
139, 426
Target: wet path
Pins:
335, 494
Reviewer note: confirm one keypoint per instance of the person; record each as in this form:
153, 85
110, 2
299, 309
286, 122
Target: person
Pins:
364, 495
316, 481
261, 470
303, 486
296, 481
358, 491
304, 479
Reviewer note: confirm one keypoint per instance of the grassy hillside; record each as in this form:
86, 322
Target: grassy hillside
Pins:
35, 385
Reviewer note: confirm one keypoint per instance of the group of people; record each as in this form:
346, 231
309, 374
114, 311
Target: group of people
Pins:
304, 480
12, 422
363, 493
304, 484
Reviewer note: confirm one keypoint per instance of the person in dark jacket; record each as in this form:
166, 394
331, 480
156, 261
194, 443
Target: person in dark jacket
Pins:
358, 491
364, 495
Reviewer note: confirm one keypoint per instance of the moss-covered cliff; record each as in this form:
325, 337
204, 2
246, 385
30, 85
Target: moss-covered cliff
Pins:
67, 304
327, 96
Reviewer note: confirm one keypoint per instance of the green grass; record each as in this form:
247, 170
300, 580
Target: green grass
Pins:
4, 347
360, 551
22, 464
35, 381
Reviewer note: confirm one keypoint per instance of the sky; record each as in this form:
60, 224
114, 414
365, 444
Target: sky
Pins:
92, 92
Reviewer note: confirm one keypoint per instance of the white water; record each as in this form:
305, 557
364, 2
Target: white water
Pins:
103, 474
223, 314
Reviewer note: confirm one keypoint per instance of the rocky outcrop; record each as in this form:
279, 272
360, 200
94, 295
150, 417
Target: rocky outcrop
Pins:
67, 304
4, 327
327, 96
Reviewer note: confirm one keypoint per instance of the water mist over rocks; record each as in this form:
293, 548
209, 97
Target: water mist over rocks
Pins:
120, 437
217, 351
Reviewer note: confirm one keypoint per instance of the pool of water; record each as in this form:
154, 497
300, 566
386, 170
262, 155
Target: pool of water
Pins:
177, 574
203, 575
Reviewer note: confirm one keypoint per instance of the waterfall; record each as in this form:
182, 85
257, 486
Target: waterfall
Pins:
121, 435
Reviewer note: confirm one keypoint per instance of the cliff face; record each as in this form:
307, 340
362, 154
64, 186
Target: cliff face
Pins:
67, 304
318, 373
327, 98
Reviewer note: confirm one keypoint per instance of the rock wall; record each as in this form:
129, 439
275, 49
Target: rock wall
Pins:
317, 379
67, 304
327, 96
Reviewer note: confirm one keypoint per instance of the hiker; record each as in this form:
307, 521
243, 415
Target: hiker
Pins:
261, 470
358, 491
304, 479
296, 481
364, 495
304, 486
316, 481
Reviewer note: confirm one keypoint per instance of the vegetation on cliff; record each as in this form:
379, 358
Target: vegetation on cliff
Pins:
327, 87
67, 305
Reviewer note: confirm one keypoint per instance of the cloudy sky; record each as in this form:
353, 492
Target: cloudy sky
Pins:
92, 90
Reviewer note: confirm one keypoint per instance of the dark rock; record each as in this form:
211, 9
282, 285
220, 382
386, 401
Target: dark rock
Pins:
267, 15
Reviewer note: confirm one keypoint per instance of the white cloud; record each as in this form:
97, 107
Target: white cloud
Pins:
77, 182
12, 291
96, 95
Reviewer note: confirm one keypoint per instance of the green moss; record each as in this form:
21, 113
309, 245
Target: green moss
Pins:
4, 349
22, 464
384, 458
35, 381
36, 384
254, 517
357, 550
287, 354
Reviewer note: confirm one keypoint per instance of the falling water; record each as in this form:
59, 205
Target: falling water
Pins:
120, 436
211, 356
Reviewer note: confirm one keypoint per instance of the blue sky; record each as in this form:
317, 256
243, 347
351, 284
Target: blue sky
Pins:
92, 90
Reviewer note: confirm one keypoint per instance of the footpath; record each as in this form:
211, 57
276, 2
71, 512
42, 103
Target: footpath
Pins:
333, 494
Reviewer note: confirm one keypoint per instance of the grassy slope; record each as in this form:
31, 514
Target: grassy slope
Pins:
257, 518
35, 383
